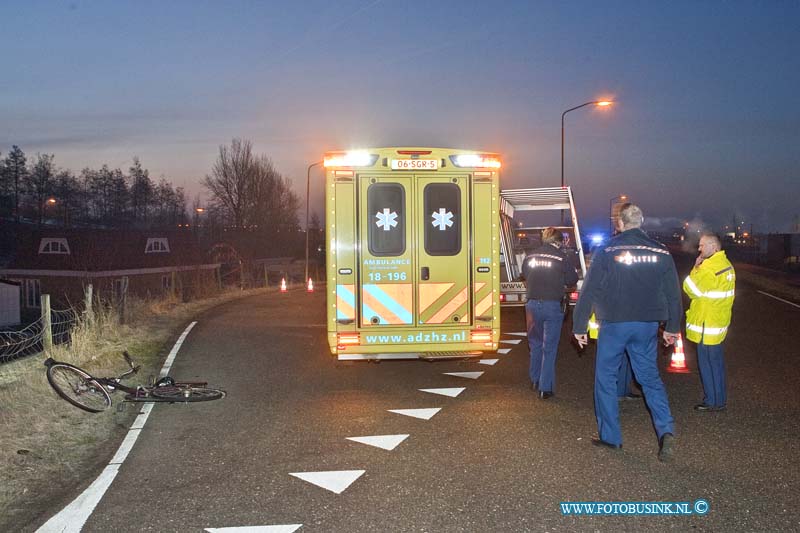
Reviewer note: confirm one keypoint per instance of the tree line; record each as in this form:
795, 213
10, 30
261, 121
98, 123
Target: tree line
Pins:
38, 190
249, 200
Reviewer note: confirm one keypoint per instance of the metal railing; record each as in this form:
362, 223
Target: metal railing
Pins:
31, 339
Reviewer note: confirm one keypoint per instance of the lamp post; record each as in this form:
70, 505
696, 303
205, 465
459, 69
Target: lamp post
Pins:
598, 103
621, 198
198, 212
308, 194
43, 214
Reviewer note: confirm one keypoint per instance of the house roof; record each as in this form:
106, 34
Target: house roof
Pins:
104, 250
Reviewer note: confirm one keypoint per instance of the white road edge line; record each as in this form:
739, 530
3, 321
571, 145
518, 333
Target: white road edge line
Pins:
72, 517
779, 299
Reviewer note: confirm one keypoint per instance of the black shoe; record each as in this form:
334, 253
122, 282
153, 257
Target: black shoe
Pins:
630, 396
665, 447
703, 408
597, 441
534, 386
543, 395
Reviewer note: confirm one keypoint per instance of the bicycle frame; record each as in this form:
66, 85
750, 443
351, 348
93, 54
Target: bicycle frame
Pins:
139, 393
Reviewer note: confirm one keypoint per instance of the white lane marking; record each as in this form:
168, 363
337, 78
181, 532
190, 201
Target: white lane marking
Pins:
143, 415
286, 528
72, 517
452, 392
468, 375
335, 481
779, 299
511, 341
503, 350
125, 447
171, 357
386, 442
518, 334
424, 414
488, 361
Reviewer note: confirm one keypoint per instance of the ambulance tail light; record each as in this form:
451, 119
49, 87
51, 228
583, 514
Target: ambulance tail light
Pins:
348, 339
480, 335
502, 297
573, 296
355, 158
476, 160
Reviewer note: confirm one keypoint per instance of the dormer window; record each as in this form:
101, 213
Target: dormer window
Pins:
157, 245
54, 246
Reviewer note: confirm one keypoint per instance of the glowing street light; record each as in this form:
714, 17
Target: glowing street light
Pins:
598, 103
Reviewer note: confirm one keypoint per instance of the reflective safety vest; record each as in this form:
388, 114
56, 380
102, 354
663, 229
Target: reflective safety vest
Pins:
594, 327
711, 289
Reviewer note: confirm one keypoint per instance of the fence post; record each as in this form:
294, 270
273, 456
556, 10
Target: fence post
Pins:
87, 304
47, 329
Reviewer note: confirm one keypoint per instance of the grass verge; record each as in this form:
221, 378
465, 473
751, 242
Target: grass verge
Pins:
47, 446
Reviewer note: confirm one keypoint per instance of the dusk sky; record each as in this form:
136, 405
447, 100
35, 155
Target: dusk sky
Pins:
706, 125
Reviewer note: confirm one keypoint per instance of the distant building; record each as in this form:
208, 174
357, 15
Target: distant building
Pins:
62, 262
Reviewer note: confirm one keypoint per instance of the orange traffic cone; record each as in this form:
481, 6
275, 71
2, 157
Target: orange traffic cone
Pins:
283, 285
677, 362
310, 287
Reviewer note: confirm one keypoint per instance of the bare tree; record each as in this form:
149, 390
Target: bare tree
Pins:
15, 171
141, 191
230, 180
39, 182
68, 195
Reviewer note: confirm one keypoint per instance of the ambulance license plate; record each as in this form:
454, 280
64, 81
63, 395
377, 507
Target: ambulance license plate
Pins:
415, 164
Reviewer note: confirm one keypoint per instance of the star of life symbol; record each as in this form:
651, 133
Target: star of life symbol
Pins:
386, 220
442, 219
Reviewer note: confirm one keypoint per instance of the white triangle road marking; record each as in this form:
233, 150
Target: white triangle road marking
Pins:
335, 481
511, 341
424, 414
503, 350
284, 528
518, 334
386, 442
468, 375
488, 361
453, 392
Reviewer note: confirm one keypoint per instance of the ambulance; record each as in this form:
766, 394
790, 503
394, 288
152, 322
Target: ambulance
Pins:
413, 253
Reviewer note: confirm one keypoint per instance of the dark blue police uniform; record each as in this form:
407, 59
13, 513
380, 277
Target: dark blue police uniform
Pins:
547, 272
632, 285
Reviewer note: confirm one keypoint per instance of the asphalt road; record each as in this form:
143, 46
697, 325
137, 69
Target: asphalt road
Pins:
494, 458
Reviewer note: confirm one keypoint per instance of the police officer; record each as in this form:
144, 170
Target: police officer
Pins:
710, 286
547, 271
625, 376
632, 285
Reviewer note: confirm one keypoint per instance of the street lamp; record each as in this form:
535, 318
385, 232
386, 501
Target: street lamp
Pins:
308, 193
598, 103
43, 215
621, 198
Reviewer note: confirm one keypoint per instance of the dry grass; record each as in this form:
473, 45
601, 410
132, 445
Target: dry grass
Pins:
47, 446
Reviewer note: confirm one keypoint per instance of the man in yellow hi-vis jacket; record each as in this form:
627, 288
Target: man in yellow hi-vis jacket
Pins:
710, 285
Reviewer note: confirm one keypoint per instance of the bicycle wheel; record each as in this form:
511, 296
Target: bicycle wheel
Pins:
174, 393
78, 387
